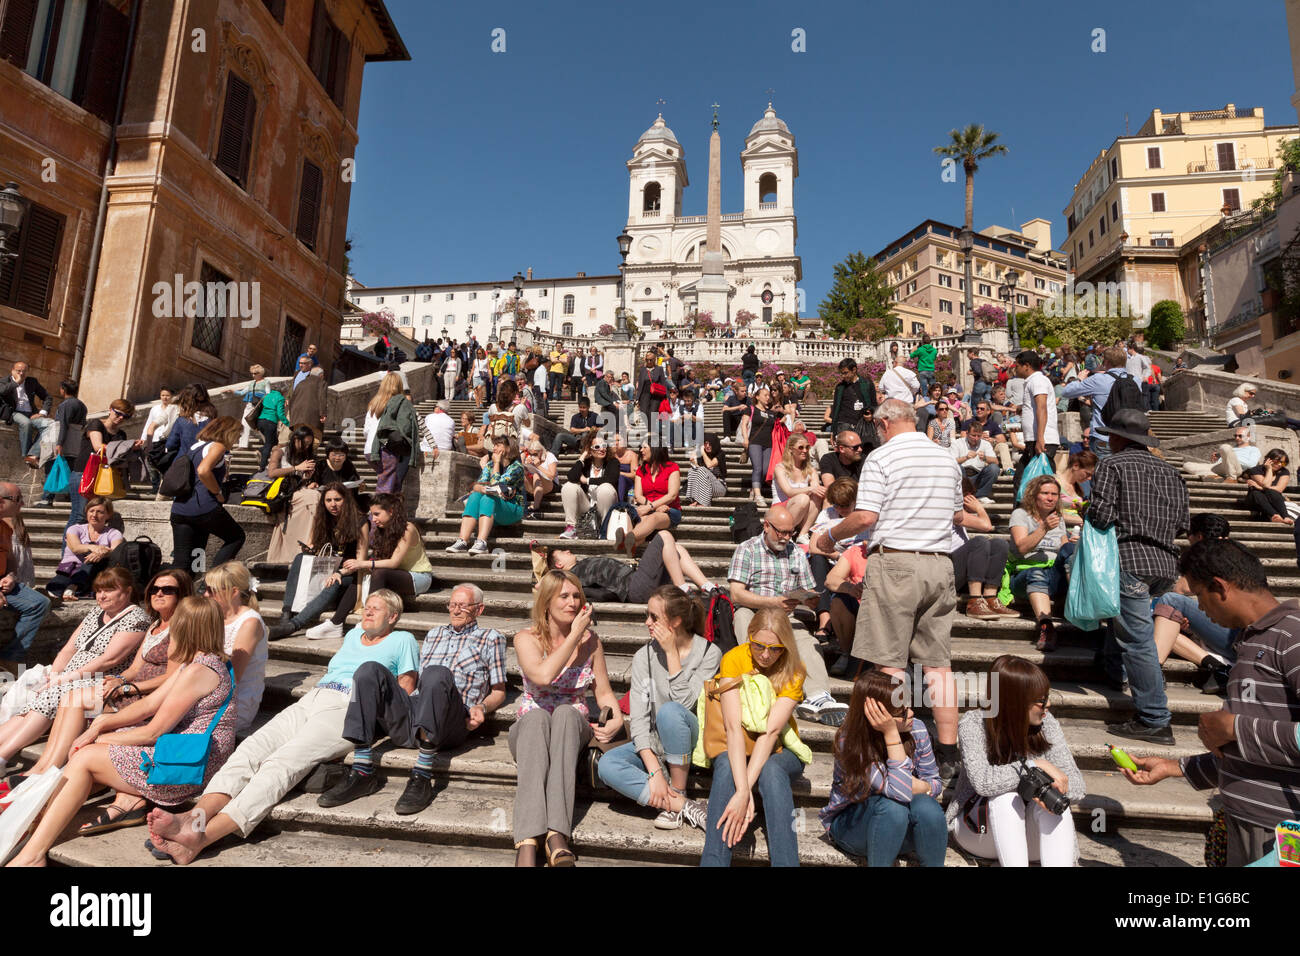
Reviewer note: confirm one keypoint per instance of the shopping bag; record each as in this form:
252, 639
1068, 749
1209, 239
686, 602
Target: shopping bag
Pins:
91, 472
56, 483
363, 592
22, 805
109, 484
1040, 465
313, 571
295, 527
1094, 580
15, 695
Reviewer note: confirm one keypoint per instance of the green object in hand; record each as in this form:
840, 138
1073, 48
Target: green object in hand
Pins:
1122, 759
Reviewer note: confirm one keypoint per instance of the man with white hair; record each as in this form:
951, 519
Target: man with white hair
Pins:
462, 680
442, 429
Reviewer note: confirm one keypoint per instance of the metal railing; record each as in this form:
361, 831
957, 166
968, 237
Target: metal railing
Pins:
1238, 165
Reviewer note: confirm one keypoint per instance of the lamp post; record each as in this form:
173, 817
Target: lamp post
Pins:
519, 291
966, 242
1009, 293
496, 311
620, 321
13, 209
665, 309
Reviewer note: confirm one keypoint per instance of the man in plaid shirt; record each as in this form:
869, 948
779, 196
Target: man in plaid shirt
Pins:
1145, 499
462, 680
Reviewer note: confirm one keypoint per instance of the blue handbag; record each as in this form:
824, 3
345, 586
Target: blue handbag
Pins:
56, 483
182, 759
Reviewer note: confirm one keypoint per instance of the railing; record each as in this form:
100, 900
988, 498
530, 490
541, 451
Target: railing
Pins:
1214, 166
1214, 114
650, 213
766, 206
699, 220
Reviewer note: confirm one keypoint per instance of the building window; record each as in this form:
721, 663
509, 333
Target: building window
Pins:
1157, 202
945, 306
427, 297
235, 141
961, 308
1114, 211
767, 315
650, 203
568, 305
1227, 157
1022, 299
27, 281
985, 289
1053, 287
961, 285
945, 281
309, 203
449, 320
542, 294
473, 296
405, 299
911, 287
291, 347
918, 328
1232, 199
948, 330
427, 320
473, 317
1162, 239
1090, 239
1114, 168
1081, 250
328, 54
449, 296
543, 315
767, 189
276, 9
591, 313
1101, 226
210, 322
1153, 158
645, 317
379, 300
566, 328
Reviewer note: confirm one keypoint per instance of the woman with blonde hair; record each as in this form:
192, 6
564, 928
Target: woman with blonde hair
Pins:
769, 760
797, 483
203, 513
541, 468
245, 634
395, 441
1039, 551
194, 700
560, 658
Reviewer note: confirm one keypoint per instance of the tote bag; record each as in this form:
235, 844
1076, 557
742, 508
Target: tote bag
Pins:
56, 483
1094, 579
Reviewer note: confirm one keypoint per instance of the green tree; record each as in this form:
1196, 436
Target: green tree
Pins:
1075, 322
971, 145
1288, 155
859, 304
1167, 326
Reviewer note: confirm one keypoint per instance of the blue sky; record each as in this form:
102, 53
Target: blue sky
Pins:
473, 164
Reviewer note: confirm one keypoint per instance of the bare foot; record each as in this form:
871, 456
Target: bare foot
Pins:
1278, 519
164, 825
181, 852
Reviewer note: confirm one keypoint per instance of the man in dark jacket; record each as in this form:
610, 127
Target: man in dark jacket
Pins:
854, 398
749, 366
21, 396
607, 401
664, 561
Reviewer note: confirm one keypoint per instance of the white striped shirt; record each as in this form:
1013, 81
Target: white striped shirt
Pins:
915, 488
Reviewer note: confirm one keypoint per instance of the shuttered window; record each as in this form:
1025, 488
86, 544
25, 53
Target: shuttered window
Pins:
235, 141
309, 200
328, 54
75, 47
291, 347
27, 282
103, 58
16, 32
214, 303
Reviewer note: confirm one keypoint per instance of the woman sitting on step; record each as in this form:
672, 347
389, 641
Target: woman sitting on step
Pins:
1266, 482
541, 472
1040, 551
234, 590
196, 699
656, 496
987, 817
85, 551
668, 673
707, 478
294, 461
560, 658
592, 482
337, 524
390, 550
497, 497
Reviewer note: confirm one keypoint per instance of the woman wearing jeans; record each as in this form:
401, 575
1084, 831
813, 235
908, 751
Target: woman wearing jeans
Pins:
337, 524
203, 513
757, 430
667, 675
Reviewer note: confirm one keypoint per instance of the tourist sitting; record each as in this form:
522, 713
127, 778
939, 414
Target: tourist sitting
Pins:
885, 786
987, 816
592, 483
584, 422
337, 524
20, 403
707, 478
656, 496
462, 680
471, 440
797, 485
845, 461
1078, 471
751, 749
1230, 460
974, 453
841, 496
294, 461
232, 587
942, 427
102, 645
541, 469
1183, 629
117, 750
85, 551
764, 572
560, 659
734, 409
496, 498
336, 466
667, 675
664, 561
993, 432
272, 761
1239, 404
689, 412
1266, 482
391, 551
1038, 536
978, 559
438, 423
628, 460
203, 513
17, 582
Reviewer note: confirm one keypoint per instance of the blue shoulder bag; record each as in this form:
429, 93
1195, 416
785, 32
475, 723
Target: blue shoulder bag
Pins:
182, 759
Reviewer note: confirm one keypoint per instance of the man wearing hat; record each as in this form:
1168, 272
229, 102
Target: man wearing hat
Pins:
1145, 500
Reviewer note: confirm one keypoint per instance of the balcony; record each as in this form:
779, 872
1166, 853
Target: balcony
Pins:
650, 213
1246, 162
767, 207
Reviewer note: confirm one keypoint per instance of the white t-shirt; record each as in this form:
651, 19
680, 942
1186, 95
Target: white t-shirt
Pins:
901, 383
164, 417
539, 377
248, 689
1134, 365
915, 488
452, 365
1039, 384
1237, 407
961, 448
442, 428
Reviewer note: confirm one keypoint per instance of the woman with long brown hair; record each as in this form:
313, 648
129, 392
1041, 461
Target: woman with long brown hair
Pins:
885, 787
560, 658
987, 816
203, 513
337, 524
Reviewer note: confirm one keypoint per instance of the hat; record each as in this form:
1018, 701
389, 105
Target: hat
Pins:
1132, 424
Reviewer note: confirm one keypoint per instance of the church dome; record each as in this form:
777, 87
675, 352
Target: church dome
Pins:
770, 123
659, 132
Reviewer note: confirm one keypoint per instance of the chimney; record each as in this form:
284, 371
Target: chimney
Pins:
580, 275
1039, 232
530, 274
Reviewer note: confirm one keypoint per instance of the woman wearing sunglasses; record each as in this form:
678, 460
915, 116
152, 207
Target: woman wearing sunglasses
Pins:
591, 482
97, 434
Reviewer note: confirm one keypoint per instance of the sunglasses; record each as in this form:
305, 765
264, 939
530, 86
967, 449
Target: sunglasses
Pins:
170, 590
759, 647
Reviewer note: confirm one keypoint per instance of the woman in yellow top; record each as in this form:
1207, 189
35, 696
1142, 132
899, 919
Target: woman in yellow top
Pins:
391, 551
770, 651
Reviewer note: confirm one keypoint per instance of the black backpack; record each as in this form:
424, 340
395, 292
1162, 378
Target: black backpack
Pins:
141, 557
178, 480
745, 522
1124, 393
720, 628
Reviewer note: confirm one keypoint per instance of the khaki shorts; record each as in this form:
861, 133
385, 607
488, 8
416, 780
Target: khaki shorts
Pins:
908, 602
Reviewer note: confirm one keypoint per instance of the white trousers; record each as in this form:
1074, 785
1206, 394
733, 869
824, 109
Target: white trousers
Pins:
1015, 837
577, 500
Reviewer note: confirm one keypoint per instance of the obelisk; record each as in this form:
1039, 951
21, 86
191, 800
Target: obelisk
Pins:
712, 287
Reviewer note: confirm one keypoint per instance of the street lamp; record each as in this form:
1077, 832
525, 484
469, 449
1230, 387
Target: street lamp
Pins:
1009, 293
966, 242
519, 291
496, 311
13, 208
620, 326
665, 309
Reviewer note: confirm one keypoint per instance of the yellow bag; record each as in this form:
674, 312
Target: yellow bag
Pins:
756, 699
108, 484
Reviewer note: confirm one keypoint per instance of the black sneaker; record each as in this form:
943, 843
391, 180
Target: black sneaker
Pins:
417, 795
352, 787
948, 772
281, 630
1136, 730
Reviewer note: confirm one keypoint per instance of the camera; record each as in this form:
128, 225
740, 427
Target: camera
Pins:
1035, 784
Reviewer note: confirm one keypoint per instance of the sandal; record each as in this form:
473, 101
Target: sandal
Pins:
522, 859
104, 821
559, 855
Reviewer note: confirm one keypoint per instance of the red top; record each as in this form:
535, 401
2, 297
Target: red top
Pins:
656, 486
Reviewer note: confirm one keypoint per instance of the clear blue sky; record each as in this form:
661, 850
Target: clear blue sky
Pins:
473, 164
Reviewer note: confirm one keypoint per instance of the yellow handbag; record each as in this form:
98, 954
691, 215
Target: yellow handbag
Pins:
108, 484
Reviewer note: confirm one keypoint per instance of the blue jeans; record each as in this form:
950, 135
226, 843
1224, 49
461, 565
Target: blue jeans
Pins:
879, 828
78, 513
622, 769
1049, 580
1098, 447
1216, 637
327, 600
1131, 645
778, 809
926, 379
26, 426
31, 607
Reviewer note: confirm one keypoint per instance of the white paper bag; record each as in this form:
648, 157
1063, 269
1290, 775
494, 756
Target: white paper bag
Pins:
16, 695
22, 806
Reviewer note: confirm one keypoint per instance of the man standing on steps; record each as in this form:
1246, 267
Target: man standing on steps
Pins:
749, 366
462, 680
1037, 413
925, 354
854, 399
1146, 502
1254, 741
1095, 387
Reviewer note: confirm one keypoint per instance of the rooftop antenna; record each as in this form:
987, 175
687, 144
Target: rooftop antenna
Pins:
1125, 124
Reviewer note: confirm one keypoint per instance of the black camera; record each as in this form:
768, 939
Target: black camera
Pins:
1035, 784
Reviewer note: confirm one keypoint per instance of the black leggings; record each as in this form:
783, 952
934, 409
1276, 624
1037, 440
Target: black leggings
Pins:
1265, 502
394, 579
270, 432
190, 533
981, 560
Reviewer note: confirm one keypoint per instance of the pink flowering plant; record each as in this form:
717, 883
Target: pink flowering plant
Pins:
990, 317
382, 322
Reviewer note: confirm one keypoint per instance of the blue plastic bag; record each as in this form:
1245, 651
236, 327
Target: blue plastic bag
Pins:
56, 483
1039, 465
1094, 579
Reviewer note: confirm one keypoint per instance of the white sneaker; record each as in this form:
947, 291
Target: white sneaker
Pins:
696, 813
326, 630
478, 547
986, 501
669, 820
569, 533
458, 547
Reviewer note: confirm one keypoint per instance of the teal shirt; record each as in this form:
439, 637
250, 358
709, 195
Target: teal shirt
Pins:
273, 408
924, 355
398, 652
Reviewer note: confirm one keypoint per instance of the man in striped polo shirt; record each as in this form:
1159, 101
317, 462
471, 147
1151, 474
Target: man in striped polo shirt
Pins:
1254, 741
909, 493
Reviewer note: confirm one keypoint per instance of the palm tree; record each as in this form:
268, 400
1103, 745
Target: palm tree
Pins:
971, 145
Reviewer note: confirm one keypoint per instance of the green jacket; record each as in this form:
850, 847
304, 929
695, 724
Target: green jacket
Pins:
924, 355
273, 408
399, 417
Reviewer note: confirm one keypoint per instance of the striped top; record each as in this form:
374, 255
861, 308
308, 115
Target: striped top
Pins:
915, 488
892, 779
1259, 773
